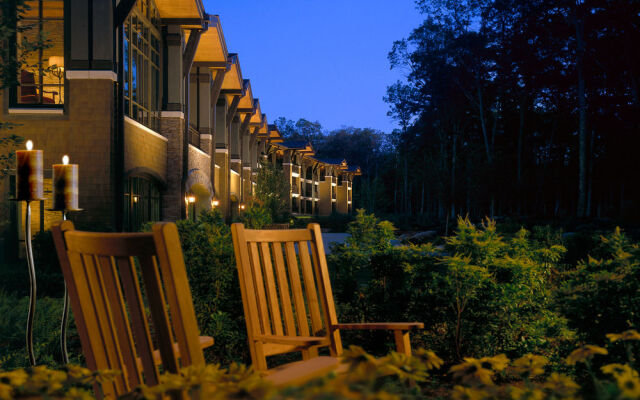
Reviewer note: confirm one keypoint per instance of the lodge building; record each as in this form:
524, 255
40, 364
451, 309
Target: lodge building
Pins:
146, 98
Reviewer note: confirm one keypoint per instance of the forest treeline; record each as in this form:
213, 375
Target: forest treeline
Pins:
509, 108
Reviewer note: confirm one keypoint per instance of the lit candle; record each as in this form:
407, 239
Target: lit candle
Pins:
29, 180
65, 185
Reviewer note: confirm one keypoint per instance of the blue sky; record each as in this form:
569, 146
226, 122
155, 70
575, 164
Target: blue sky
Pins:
320, 60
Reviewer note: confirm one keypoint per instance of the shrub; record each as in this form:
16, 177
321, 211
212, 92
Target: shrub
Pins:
46, 335
272, 190
209, 258
603, 293
479, 294
394, 376
256, 215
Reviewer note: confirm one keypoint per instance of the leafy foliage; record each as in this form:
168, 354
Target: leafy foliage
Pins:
394, 376
256, 215
603, 293
272, 191
208, 254
46, 336
479, 294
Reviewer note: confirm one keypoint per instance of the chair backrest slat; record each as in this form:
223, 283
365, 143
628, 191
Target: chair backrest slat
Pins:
283, 285
102, 308
120, 318
258, 285
310, 288
140, 326
296, 285
178, 292
284, 290
116, 312
272, 294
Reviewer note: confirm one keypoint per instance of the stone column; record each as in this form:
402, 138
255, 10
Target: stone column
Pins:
172, 125
236, 161
202, 116
246, 164
342, 197
222, 155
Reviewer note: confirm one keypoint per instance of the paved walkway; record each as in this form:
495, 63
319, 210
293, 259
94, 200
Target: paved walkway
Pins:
328, 238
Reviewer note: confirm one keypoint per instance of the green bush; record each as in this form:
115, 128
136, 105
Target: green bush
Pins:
603, 293
256, 215
272, 190
209, 258
479, 294
46, 334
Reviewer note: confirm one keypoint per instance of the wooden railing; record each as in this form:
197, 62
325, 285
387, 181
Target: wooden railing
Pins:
194, 136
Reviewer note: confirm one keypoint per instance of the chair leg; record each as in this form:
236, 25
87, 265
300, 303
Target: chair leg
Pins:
403, 344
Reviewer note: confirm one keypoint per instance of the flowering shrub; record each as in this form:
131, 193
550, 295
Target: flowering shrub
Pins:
394, 376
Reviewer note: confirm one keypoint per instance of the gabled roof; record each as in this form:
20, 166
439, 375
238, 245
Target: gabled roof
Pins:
341, 162
233, 82
181, 9
256, 119
294, 144
212, 48
246, 102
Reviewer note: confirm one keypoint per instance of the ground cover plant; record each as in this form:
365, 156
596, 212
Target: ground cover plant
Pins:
486, 295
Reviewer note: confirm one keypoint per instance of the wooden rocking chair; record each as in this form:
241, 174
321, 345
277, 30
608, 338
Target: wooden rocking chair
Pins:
283, 276
113, 310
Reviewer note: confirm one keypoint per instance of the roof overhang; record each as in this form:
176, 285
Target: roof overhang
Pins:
233, 84
246, 102
212, 48
256, 119
183, 12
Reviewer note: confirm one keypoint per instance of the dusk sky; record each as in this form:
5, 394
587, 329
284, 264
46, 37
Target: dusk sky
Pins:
320, 60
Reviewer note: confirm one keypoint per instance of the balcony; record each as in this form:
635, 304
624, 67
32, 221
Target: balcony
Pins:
194, 137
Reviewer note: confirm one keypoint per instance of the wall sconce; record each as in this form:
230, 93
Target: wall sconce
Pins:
215, 203
190, 198
136, 198
242, 206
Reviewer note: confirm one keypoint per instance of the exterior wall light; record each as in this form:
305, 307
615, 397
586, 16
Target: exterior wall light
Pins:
242, 206
189, 198
215, 203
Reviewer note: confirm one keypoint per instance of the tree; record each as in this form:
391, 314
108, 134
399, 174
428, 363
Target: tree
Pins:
272, 190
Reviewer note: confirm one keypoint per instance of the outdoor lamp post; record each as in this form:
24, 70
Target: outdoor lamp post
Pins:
65, 199
189, 199
29, 187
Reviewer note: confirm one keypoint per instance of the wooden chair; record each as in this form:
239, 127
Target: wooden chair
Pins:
130, 296
288, 302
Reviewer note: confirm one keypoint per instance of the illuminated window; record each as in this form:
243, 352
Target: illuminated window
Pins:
141, 203
142, 64
40, 51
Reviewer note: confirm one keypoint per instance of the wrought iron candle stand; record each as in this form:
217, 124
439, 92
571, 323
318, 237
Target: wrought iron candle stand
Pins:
32, 278
65, 199
65, 307
29, 188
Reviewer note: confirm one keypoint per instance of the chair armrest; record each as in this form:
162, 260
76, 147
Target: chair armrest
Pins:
390, 326
205, 342
303, 341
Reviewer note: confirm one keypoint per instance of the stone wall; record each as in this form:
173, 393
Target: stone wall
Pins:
144, 150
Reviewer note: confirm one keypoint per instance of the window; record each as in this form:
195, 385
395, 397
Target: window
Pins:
41, 74
141, 203
142, 64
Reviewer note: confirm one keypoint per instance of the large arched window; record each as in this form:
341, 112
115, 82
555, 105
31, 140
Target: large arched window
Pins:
141, 202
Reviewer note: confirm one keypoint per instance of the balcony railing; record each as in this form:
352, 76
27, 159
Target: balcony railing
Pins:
194, 136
